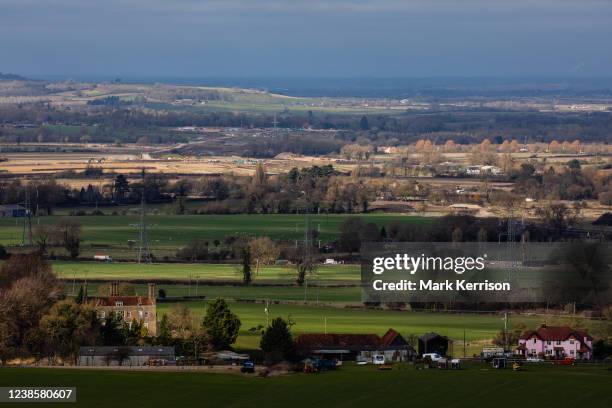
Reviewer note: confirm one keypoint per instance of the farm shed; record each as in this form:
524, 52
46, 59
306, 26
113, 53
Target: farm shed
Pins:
12, 211
125, 356
434, 343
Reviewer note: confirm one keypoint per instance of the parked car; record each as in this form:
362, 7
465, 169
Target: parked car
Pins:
567, 361
433, 356
248, 367
378, 359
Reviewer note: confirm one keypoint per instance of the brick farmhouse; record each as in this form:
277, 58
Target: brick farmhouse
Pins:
138, 308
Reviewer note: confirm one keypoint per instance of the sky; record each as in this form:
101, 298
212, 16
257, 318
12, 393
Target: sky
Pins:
309, 38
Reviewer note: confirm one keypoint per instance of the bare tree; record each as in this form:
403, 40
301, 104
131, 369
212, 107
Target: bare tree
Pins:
69, 234
28, 288
263, 251
183, 324
43, 237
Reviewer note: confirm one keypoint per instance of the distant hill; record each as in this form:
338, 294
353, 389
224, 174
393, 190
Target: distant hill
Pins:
12, 77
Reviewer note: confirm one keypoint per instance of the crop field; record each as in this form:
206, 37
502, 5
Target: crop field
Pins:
174, 231
202, 273
349, 386
131, 163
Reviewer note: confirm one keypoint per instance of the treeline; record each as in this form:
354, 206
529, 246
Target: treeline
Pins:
313, 189
116, 123
553, 226
571, 183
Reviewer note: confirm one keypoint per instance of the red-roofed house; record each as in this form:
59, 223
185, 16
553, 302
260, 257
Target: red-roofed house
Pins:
556, 342
350, 346
140, 308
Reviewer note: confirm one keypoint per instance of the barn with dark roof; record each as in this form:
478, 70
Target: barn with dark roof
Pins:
351, 346
434, 343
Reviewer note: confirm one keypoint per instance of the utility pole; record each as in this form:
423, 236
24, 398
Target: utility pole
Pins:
144, 255
274, 123
307, 258
27, 220
505, 331
510, 241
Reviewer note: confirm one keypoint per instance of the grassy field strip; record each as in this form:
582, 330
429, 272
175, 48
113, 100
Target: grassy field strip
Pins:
310, 319
123, 271
272, 293
177, 230
350, 386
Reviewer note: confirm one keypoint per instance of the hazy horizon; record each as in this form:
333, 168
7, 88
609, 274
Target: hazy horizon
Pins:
308, 39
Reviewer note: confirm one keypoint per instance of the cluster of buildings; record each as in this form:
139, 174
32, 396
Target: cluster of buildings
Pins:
547, 342
392, 346
453, 169
483, 170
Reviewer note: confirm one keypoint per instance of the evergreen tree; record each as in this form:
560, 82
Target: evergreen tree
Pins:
247, 271
220, 325
276, 341
383, 232
364, 124
164, 332
79, 297
112, 331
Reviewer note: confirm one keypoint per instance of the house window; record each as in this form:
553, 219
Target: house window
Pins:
572, 341
102, 314
548, 351
548, 342
534, 340
572, 352
129, 315
146, 325
119, 303
146, 315
140, 314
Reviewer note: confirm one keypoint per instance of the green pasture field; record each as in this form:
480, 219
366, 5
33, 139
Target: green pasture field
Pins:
200, 272
311, 294
349, 386
316, 319
169, 232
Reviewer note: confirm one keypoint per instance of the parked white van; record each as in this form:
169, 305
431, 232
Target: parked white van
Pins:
105, 258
